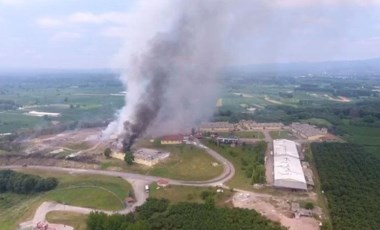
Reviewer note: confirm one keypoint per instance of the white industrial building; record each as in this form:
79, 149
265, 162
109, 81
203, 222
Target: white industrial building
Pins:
288, 172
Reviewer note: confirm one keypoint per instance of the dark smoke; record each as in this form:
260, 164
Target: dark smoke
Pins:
173, 85
157, 66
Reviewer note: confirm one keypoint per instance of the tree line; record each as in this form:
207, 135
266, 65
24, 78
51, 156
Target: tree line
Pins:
21, 183
158, 214
350, 179
251, 158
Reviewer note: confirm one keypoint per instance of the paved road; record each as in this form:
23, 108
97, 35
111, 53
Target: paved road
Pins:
137, 181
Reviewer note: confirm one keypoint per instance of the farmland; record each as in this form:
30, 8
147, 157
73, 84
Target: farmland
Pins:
77, 97
352, 194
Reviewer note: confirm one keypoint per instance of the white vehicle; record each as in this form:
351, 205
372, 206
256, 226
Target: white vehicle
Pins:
146, 188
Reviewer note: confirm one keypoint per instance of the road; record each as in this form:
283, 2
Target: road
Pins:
137, 181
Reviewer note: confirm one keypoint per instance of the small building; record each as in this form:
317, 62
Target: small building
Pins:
172, 139
129, 201
309, 132
217, 127
162, 183
118, 155
253, 125
298, 211
227, 140
149, 157
42, 114
308, 174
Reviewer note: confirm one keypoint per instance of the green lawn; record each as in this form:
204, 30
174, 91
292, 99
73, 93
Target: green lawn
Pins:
76, 220
177, 194
84, 195
282, 134
100, 192
185, 163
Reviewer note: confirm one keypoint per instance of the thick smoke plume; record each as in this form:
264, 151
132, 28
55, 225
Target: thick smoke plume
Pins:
173, 84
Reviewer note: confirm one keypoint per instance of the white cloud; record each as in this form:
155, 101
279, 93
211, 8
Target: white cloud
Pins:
66, 36
115, 31
306, 3
85, 18
90, 18
49, 22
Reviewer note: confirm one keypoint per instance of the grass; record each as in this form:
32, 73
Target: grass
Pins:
12, 207
76, 220
13, 120
100, 192
364, 135
84, 197
177, 194
185, 163
78, 146
240, 180
282, 134
245, 134
317, 122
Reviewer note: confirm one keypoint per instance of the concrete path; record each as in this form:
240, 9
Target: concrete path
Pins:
137, 181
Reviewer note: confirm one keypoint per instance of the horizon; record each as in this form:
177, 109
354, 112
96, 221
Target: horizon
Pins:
111, 70
40, 34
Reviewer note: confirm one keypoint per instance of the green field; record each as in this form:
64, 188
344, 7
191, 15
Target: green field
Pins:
78, 97
353, 192
364, 135
100, 192
282, 134
243, 134
317, 122
237, 156
185, 163
177, 194
76, 220
15, 120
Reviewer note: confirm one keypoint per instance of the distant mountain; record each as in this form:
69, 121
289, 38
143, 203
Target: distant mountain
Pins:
352, 67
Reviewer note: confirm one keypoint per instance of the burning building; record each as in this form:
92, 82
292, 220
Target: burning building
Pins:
149, 157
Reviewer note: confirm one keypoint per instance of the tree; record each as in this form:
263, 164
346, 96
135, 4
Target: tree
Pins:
309, 205
205, 194
128, 158
210, 202
107, 152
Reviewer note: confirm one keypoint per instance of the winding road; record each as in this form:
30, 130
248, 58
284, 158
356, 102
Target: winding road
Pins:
137, 181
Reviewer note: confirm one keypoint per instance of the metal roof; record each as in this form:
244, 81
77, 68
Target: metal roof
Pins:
288, 170
285, 147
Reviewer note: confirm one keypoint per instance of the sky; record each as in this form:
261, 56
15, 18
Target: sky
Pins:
71, 34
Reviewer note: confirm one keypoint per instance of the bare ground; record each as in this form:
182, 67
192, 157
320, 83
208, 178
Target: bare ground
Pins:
275, 209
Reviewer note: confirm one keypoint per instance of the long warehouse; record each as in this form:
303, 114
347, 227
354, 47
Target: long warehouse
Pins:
288, 172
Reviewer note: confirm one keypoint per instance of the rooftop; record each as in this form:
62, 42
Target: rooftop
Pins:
308, 130
149, 154
288, 170
283, 147
176, 137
